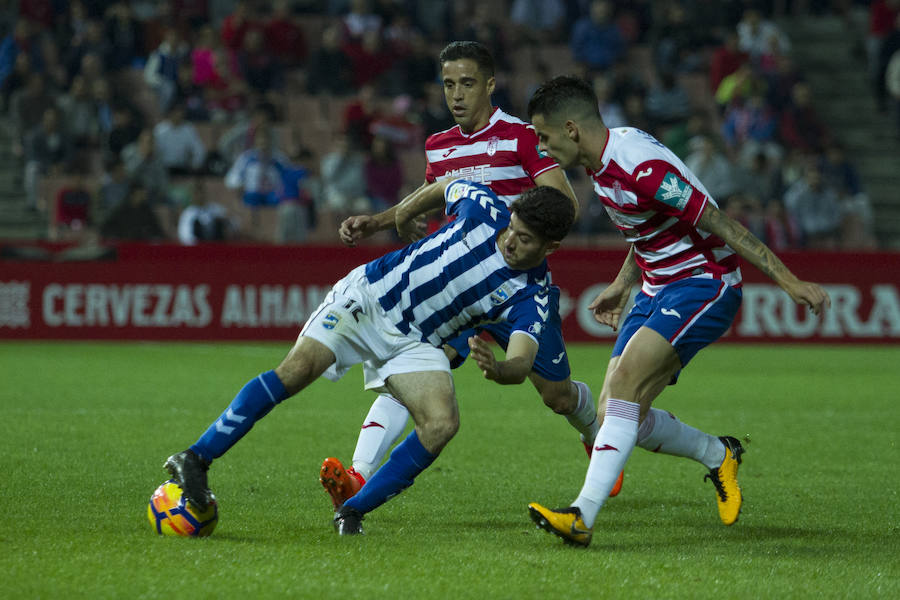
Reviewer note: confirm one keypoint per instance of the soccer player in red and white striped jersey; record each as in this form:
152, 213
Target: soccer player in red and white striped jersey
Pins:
491, 147
684, 251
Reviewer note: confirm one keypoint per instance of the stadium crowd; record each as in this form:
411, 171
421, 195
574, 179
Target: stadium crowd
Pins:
198, 120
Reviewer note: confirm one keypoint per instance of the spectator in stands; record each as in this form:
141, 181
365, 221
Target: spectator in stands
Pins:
677, 43
725, 60
800, 126
434, 115
301, 194
261, 70
782, 230
125, 34
190, 95
369, 57
202, 220
816, 207
48, 151
86, 38
226, 90
134, 219
161, 70
597, 41
538, 21
178, 144
285, 39
395, 125
51, 64
257, 173
780, 82
14, 80
610, 109
27, 107
80, 114
677, 138
712, 167
115, 184
667, 101
344, 180
738, 86
750, 127
241, 136
126, 127
359, 114
384, 174
841, 174
414, 69
330, 70
236, 25
756, 35
144, 166
360, 20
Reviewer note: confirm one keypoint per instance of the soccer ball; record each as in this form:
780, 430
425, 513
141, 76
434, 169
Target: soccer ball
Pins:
170, 513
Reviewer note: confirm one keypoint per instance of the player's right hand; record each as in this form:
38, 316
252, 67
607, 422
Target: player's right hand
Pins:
609, 305
356, 228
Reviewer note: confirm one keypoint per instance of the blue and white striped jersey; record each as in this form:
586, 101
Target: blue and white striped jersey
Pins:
457, 278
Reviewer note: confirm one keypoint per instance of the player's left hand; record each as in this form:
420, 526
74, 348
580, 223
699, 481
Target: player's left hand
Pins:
811, 294
355, 228
483, 356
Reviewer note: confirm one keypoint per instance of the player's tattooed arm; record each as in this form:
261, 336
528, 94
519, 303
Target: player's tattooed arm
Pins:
630, 273
750, 248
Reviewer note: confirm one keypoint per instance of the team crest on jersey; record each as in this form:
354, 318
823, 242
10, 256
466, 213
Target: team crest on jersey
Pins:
535, 328
330, 321
620, 197
492, 145
673, 191
500, 295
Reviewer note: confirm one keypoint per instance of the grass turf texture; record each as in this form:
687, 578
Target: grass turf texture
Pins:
88, 425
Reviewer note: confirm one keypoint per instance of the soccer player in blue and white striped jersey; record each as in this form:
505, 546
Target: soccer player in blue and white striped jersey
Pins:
394, 314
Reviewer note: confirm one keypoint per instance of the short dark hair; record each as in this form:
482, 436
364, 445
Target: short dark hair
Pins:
572, 95
545, 210
471, 50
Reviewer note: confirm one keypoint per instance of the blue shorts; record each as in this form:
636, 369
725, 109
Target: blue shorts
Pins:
551, 362
691, 313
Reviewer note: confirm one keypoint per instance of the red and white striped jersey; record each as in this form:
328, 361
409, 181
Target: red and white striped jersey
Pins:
503, 155
656, 201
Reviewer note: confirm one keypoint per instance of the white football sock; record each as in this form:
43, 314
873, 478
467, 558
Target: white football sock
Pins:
662, 432
382, 427
584, 419
612, 447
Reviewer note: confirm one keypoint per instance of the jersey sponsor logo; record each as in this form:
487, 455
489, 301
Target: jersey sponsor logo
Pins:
605, 447
492, 145
448, 152
330, 321
673, 191
541, 153
644, 173
670, 312
476, 173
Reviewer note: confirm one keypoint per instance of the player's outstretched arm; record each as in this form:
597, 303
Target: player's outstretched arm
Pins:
427, 197
520, 353
749, 247
610, 303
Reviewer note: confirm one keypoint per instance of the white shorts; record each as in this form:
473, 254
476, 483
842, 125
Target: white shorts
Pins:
352, 324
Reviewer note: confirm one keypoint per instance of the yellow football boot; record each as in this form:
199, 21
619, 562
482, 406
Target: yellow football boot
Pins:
724, 478
563, 522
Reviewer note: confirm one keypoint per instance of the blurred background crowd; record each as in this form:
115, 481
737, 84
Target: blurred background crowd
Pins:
271, 121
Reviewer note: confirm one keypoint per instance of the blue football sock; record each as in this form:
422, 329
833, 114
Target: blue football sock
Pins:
253, 402
407, 460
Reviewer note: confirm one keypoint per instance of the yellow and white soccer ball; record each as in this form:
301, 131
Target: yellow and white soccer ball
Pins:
170, 513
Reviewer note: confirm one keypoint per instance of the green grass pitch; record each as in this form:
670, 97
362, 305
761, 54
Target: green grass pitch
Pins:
86, 427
